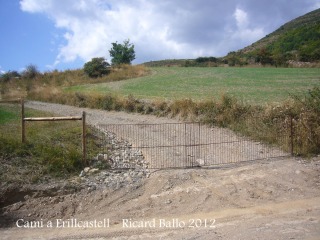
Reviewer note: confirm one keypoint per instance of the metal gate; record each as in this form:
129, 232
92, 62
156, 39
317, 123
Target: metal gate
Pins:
179, 145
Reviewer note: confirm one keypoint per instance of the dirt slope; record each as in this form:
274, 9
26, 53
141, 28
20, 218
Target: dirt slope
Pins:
278, 199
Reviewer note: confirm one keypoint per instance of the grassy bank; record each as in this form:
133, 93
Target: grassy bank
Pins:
51, 82
52, 149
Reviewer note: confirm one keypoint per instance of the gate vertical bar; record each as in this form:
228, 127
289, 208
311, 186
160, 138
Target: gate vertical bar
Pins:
291, 135
185, 144
23, 127
84, 150
199, 143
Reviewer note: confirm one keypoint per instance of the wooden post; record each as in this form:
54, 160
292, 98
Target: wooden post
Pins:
291, 135
185, 145
84, 152
83, 118
23, 128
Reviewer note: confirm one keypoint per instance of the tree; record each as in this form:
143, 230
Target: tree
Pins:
279, 59
9, 75
31, 71
234, 59
96, 67
264, 57
122, 53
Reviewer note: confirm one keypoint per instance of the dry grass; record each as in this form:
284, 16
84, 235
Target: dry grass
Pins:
52, 82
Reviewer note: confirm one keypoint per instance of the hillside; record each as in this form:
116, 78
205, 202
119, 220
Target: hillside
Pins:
297, 40
306, 21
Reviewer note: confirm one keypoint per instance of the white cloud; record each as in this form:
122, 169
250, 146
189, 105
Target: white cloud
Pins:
241, 18
158, 29
34, 6
243, 32
2, 71
91, 26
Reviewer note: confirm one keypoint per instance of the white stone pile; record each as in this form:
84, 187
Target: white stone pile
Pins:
127, 165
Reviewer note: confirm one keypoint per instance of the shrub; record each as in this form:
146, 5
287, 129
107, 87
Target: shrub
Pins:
9, 75
97, 67
30, 72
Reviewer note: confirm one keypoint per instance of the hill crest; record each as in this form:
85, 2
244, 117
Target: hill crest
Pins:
295, 43
309, 19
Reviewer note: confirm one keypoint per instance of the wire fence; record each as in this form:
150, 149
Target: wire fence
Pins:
182, 145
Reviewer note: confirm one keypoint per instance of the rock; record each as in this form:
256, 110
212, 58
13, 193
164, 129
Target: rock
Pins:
129, 180
77, 180
93, 170
200, 162
82, 174
92, 188
86, 169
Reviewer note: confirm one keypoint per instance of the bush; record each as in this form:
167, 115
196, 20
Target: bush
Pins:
97, 67
9, 75
30, 72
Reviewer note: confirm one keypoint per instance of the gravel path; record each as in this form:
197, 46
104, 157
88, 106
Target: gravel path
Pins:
97, 117
162, 140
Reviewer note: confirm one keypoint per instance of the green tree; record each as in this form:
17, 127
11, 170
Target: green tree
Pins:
122, 53
233, 59
96, 67
264, 57
279, 59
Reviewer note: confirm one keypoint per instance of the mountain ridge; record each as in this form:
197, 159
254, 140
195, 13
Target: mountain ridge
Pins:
298, 40
310, 18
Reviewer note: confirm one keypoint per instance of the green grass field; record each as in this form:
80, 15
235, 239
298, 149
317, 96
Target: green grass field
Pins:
7, 115
253, 85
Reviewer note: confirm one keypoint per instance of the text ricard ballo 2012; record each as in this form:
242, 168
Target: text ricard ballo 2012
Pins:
124, 223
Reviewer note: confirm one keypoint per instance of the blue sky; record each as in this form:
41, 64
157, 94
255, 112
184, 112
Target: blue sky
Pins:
64, 34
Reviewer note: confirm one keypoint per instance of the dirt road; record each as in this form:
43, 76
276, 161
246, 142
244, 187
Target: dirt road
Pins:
268, 199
